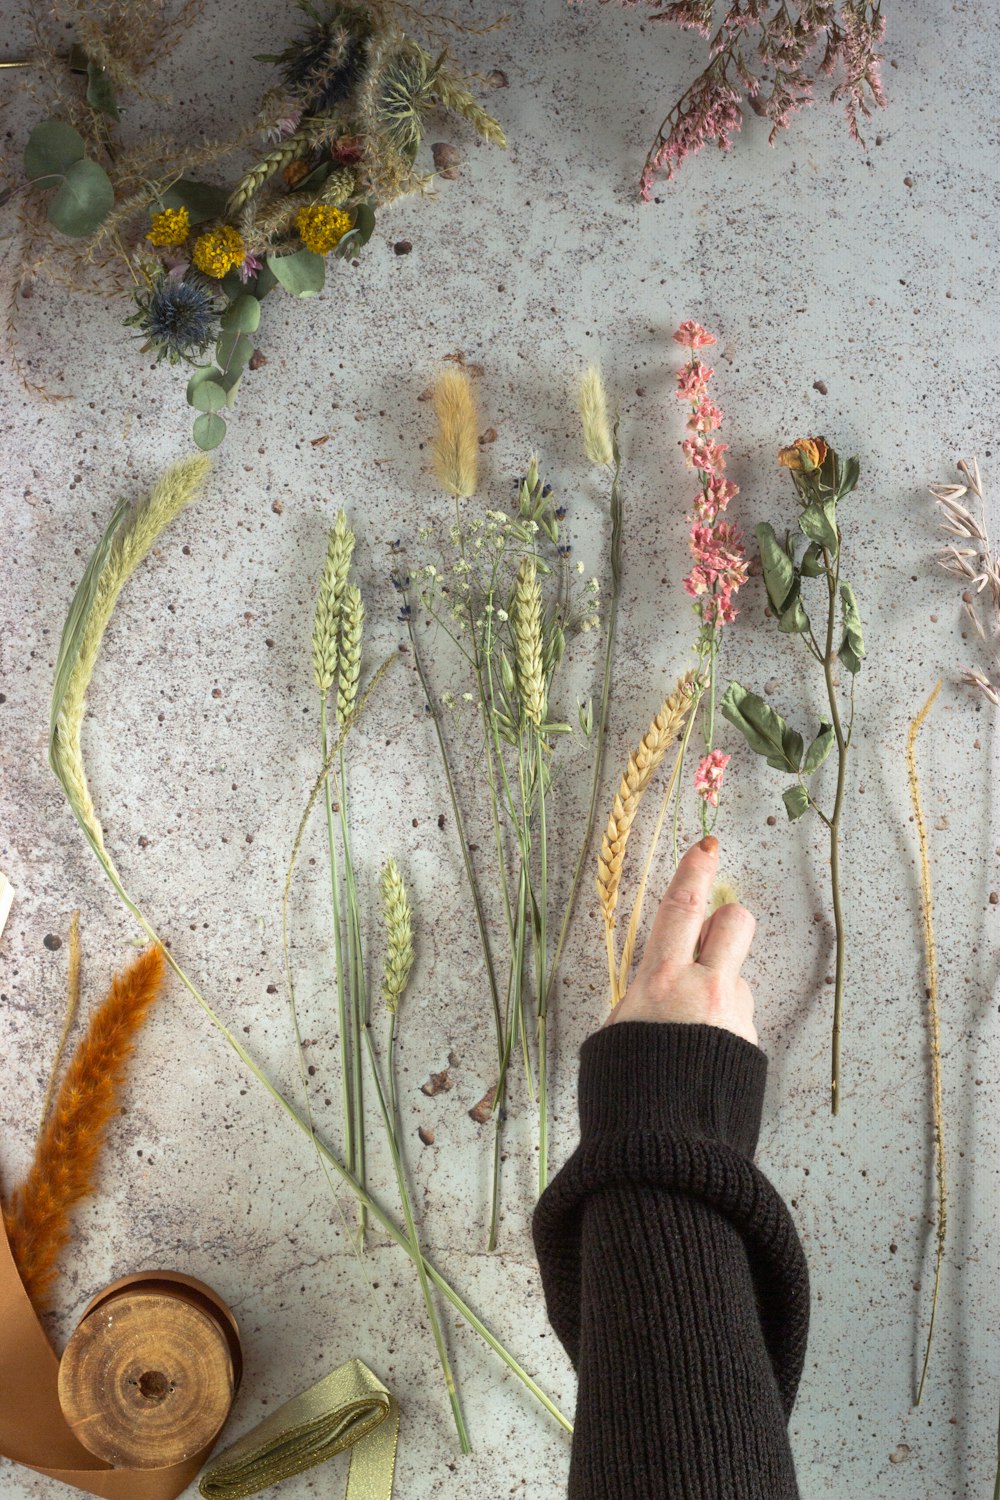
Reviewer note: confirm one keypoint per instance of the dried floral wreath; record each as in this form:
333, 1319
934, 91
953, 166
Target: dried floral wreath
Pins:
343, 123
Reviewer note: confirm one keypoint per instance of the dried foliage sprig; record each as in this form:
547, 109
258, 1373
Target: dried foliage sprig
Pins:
933, 1018
972, 557
76, 630
63, 1169
770, 56
502, 591
343, 126
821, 481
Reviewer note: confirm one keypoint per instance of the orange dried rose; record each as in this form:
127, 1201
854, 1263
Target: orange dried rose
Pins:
804, 455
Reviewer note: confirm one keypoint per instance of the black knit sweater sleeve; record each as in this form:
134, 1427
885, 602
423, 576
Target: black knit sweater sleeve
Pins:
673, 1273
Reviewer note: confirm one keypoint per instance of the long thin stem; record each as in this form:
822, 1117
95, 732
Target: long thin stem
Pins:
362, 1195
996, 1481
511, 1020
933, 1015
541, 974
832, 576
358, 991
390, 1119
346, 1093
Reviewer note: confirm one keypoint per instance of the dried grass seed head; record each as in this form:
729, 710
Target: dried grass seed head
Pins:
456, 445
527, 622
329, 604
597, 442
398, 919
351, 623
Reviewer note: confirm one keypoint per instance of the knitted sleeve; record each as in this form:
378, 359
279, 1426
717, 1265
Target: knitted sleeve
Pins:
673, 1274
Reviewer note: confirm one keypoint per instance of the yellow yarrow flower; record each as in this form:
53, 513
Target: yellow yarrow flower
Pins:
171, 227
321, 226
219, 251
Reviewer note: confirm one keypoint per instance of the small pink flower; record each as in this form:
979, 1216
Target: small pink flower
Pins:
250, 266
706, 417
708, 777
692, 381
714, 497
693, 336
702, 452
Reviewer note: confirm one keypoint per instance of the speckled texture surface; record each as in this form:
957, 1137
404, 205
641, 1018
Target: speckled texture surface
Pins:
873, 274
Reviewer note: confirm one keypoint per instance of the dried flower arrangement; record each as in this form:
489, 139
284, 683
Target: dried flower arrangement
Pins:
769, 55
62, 1171
821, 481
130, 534
719, 570
972, 557
342, 127
503, 592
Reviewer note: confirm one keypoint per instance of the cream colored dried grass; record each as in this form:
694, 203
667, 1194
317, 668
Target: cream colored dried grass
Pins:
456, 446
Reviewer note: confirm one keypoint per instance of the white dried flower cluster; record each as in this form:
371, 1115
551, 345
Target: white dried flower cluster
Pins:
972, 558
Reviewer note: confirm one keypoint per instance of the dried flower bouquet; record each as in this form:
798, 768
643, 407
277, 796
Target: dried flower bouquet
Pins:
338, 138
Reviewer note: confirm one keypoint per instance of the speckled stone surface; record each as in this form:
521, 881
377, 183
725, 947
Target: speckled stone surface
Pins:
872, 274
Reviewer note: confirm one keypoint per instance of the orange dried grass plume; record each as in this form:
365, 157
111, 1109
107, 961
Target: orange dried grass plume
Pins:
63, 1170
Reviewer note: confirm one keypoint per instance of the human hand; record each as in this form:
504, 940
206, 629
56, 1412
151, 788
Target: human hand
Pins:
670, 983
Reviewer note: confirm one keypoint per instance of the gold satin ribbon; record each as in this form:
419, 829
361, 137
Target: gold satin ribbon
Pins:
33, 1428
349, 1408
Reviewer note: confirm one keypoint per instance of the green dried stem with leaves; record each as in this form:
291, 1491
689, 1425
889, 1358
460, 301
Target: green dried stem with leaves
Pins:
131, 532
821, 481
342, 125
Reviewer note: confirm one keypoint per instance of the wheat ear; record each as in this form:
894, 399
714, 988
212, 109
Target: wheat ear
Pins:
398, 920
330, 603
642, 766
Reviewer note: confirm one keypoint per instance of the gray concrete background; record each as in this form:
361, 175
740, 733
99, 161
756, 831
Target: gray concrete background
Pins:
871, 273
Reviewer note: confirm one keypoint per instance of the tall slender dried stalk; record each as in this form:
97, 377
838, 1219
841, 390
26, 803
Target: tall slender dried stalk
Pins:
933, 1016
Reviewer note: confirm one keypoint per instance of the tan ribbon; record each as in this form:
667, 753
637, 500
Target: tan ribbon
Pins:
33, 1427
350, 1408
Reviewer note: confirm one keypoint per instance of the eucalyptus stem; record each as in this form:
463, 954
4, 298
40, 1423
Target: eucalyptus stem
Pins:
390, 1119
346, 1092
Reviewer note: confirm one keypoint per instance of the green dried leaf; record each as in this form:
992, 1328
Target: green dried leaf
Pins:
265, 282
852, 648
811, 565
302, 274
209, 430
764, 730
360, 233
243, 314
233, 352
795, 620
819, 524
207, 395
779, 574
201, 199
850, 473
52, 147
818, 750
100, 92
83, 201
796, 800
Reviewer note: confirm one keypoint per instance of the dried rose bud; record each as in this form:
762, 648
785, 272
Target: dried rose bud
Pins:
804, 456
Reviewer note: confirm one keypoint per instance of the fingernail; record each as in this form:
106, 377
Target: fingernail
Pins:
709, 844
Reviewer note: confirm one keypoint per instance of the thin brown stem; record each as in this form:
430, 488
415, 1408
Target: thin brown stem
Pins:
832, 577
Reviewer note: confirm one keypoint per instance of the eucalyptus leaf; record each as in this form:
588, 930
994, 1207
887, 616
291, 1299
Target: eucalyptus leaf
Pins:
83, 201
852, 649
796, 800
794, 621
202, 200
315, 178
243, 314
818, 750
209, 430
811, 565
819, 524
231, 384
200, 373
764, 730
360, 232
233, 351
302, 274
100, 92
208, 395
52, 147
779, 573
265, 282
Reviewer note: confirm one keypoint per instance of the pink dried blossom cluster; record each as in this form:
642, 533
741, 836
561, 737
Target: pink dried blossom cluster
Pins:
708, 776
769, 55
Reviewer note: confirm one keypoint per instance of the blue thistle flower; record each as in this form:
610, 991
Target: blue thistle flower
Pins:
322, 65
177, 318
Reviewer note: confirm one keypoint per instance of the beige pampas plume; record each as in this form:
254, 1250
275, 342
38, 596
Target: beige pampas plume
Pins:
456, 446
594, 415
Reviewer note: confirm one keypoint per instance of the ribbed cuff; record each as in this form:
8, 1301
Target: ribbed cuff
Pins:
672, 1076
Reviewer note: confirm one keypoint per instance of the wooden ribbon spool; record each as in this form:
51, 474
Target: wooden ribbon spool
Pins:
148, 1377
